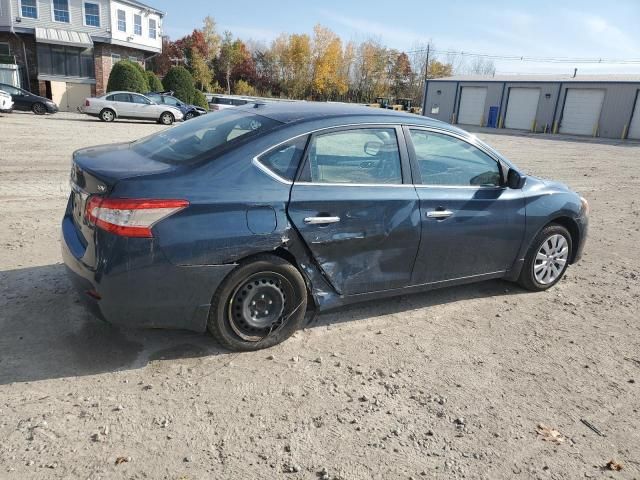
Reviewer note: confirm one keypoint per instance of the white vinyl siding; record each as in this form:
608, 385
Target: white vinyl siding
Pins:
472, 102
522, 108
634, 128
581, 112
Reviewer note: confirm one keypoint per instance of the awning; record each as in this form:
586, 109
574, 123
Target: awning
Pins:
63, 37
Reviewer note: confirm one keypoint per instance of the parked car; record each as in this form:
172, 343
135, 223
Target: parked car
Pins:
167, 98
130, 105
221, 102
6, 102
242, 222
27, 101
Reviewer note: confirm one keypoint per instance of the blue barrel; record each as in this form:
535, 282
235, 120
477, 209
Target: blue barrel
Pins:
493, 117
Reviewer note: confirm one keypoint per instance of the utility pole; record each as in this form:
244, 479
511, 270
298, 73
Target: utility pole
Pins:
426, 80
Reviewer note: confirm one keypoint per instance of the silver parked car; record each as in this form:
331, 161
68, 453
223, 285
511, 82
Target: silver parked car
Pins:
130, 105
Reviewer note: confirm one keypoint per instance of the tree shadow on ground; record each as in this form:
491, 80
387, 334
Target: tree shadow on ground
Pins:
47, 333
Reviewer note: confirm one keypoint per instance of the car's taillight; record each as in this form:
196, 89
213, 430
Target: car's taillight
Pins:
130, 217
86, 103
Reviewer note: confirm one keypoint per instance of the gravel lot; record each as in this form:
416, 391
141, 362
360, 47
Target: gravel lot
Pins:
452, 383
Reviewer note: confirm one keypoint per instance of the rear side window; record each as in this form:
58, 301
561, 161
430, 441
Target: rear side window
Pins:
368, 155
448, 161
119, 97
284, 159
204, 137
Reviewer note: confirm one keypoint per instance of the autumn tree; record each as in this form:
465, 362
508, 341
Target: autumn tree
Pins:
229, 57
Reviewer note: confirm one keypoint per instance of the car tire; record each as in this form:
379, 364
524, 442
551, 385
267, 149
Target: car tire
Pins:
107, 115
39, 108
547, 259
239, 318
189, 116
167, 118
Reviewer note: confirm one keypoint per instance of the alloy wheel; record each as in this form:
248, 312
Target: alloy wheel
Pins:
551, 259
39, 109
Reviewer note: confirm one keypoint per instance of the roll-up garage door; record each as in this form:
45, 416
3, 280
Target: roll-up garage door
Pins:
522, 108
472, 100
581, 112
634, 128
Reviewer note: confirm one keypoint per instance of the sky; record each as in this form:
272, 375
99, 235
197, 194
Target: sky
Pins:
533, 28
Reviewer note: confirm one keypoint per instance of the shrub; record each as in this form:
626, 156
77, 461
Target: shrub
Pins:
200, 100
128, 76
180, 81
243, 88
153, 82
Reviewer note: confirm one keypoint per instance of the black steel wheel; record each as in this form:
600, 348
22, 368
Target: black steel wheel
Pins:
39, 108
261, 303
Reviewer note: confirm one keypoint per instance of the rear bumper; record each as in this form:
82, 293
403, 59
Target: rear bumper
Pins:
137, 286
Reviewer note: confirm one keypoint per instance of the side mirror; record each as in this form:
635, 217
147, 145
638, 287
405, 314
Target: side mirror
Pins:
372, 148
514, 179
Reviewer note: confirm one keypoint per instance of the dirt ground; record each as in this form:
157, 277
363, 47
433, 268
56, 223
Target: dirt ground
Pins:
451, 383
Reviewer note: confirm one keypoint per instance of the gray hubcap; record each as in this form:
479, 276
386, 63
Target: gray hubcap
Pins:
551, 259
108, 116
166, 118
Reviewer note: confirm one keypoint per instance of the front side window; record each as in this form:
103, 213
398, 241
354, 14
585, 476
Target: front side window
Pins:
203, 138
29, 8
448, 161
91, 14
122, 21
152, 28
61, 11
368, 155
170, 101
137, 25
284, 159
140, 99
120, 97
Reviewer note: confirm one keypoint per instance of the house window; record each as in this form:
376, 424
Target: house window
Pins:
152, 28
122, 21
65, 61
115, 58
61, 11
137, 24
133, 59
91, 14
29, 8
4, 49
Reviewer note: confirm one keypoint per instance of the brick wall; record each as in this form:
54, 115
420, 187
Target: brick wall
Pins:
102, 53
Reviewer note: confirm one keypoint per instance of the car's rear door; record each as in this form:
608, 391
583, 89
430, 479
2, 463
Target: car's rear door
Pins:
356, 208
472, 224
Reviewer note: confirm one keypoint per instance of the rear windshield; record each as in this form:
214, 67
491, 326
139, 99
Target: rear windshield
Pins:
203, 137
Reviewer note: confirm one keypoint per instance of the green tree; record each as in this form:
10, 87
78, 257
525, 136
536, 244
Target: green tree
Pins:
127, 76
153, 82
201, 72
229, 57
180, 81
243, 88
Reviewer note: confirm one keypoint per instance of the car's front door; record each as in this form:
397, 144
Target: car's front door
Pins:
355, 207
472, 224
122, 104
143, 107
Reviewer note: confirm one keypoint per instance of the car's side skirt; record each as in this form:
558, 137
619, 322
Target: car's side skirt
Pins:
340, 301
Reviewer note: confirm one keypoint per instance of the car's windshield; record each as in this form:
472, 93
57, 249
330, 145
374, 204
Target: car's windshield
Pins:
203, 137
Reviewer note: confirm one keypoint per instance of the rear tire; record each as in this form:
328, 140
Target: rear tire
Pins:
39, 108
547, 259
107, 115
260, 304
167, 118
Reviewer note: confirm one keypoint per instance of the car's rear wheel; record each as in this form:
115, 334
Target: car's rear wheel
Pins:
107, 115
39, 108
547, 259
167, 118
189, 116
260, 304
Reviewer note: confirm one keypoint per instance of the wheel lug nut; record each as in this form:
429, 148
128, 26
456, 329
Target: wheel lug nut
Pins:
270, 302
266, 312
253, 302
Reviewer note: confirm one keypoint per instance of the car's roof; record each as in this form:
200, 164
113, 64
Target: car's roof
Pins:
123, 91
289, 112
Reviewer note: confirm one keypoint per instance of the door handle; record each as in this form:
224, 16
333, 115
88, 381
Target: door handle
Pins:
439, 213
321, 220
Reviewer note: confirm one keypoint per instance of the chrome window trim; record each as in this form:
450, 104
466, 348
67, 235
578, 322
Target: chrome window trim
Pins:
275, 176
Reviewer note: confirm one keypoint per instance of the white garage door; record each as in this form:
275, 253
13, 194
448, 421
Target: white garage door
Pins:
634, 128
522, 108
472, 100
581, 111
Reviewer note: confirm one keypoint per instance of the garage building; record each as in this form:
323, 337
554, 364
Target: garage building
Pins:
594, 105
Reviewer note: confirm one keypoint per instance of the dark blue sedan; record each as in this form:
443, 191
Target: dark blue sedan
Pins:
247, 222
167, 98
